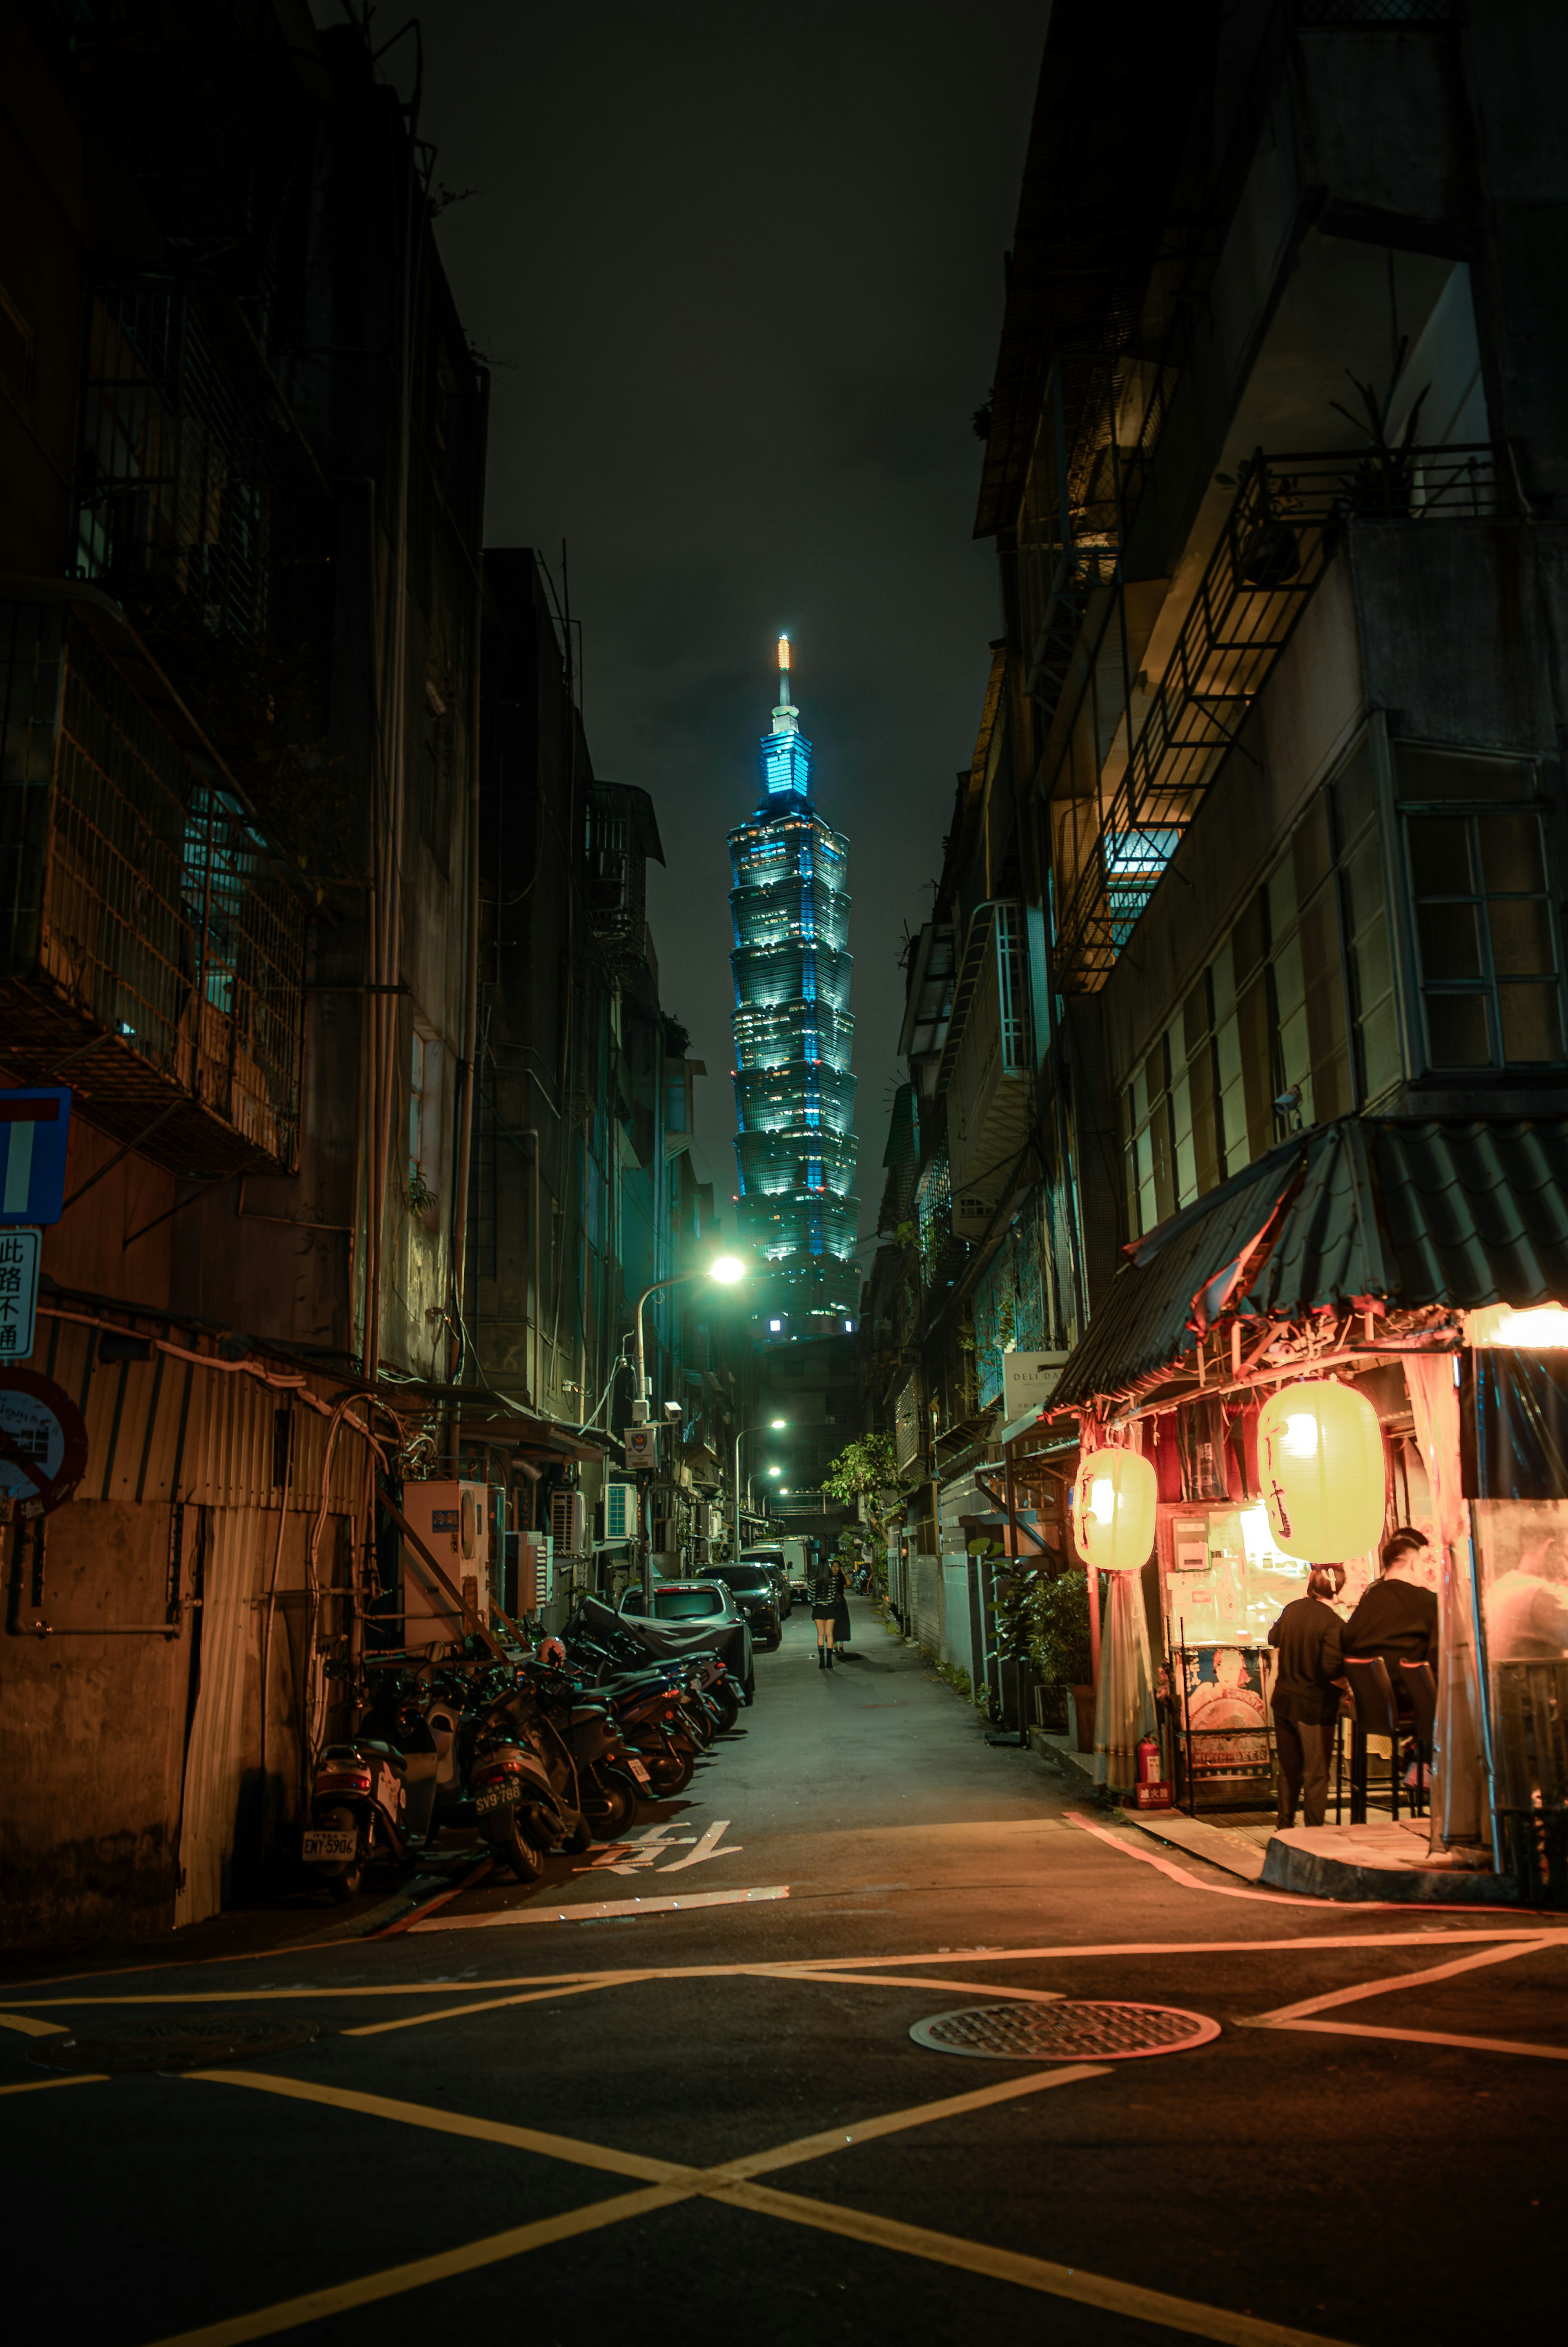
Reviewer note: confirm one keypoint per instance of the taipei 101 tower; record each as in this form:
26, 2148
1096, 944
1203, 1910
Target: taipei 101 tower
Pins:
794, 1095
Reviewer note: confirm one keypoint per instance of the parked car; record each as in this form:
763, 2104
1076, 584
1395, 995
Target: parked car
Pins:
777, 1563
750, 1582
697, 1605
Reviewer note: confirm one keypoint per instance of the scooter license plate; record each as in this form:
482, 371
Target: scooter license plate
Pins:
638, 1770
322, 1843
496, 1797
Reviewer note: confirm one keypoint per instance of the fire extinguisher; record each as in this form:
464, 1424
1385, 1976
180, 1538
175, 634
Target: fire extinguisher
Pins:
1152, 1792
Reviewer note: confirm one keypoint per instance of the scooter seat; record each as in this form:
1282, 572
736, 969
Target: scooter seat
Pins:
582, 1712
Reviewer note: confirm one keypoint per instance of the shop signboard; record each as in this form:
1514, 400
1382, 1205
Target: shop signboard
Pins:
1028, 1380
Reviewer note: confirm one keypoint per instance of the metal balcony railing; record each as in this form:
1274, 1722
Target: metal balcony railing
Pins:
1287, 518
150, 947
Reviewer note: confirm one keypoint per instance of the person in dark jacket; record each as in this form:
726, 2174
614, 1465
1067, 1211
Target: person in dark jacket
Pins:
1306, 1699
828, 1587
1397, 1618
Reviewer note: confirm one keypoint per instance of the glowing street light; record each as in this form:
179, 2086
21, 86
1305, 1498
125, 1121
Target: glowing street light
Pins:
726, 1269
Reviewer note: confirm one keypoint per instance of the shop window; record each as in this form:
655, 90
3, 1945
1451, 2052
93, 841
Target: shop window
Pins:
1486, 944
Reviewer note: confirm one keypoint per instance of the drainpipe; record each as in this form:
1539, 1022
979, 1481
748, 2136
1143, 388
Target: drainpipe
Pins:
471, 973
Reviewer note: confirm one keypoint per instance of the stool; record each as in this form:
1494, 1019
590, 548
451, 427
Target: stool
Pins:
1377, 1714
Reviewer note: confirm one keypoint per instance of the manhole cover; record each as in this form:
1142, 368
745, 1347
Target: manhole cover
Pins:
1064, 2031
168, 2044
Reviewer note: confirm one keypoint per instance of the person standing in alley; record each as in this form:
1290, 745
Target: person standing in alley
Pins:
1308, 1638
827, 1588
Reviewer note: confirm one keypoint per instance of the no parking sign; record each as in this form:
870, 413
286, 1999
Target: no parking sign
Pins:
42, 1444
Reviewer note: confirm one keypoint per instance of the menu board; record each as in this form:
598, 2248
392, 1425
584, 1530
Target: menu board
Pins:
1224, 1753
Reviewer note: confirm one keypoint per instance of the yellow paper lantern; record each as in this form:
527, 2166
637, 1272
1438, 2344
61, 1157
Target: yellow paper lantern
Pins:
1320, 1457
1113, 1510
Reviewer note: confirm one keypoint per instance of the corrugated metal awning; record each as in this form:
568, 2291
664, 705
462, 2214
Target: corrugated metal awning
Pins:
1192, 1265
1453, 1212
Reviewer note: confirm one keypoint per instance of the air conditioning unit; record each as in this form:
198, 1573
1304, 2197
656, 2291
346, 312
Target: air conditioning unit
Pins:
620, 1513
452, 1522
567, 1523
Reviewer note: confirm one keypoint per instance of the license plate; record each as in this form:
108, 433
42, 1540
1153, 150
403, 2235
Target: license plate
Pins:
638, 1770
497, 1797
324, 1844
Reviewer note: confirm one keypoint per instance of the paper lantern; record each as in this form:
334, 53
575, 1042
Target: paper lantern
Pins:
1113, 1510
1320, 1455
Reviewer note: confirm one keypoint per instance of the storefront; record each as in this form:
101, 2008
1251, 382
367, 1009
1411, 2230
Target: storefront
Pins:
1419, 1269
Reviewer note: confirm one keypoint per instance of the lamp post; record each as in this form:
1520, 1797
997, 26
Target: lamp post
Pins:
777, 1424
726, 1269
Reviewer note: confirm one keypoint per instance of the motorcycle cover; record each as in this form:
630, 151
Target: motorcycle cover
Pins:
665, 1641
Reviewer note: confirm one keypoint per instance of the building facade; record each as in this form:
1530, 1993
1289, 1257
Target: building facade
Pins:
795, 1091
1254, 880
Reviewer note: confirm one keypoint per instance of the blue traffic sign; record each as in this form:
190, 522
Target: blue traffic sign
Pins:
35, 1126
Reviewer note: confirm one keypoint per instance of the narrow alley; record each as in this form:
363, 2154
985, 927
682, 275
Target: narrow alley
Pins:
690, 2090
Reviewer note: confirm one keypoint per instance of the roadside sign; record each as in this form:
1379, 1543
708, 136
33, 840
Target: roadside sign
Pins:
642, 1445
42, 1444
19, 1254
34, 1127
1028, 1379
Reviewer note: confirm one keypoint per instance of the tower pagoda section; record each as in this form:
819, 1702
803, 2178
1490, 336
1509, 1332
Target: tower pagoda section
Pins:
795, 1094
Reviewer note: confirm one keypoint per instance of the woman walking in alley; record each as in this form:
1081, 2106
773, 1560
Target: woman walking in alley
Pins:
827, 1594
1308, 1638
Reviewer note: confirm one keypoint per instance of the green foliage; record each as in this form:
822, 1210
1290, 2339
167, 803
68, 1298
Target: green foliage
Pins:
1059, 1646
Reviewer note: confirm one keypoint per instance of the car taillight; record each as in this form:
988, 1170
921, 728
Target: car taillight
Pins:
343, 1780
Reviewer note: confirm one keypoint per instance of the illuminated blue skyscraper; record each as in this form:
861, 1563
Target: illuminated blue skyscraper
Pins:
794, 1095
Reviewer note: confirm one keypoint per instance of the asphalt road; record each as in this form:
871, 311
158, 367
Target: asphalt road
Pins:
528, 2119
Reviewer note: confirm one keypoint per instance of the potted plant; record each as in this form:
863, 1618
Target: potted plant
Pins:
1063, 1649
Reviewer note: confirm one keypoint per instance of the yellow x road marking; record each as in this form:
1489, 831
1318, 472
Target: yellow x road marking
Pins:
665, 2183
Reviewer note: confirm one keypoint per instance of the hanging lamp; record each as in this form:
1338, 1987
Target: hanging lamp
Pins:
1114, 1497
1320, 1455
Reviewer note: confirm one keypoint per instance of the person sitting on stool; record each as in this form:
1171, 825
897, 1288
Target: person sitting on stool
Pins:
1305, 1697
1397, 1618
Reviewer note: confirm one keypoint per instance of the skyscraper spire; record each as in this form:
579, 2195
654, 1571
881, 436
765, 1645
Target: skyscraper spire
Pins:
786, 714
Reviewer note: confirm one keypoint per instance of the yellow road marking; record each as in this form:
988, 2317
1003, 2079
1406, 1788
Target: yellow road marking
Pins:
485, 2004
805, 1965
36, 2086
391, 2281
27, 2027
909, 1979
1219, 2322
1399, 1980
832, 2139
440, 2122
1430, 2037
732, 2185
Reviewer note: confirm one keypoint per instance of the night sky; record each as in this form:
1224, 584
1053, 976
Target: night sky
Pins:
739, 270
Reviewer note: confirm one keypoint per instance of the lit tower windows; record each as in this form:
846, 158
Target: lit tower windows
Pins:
794, 1033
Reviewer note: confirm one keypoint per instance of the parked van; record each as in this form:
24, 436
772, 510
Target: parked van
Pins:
799, 1555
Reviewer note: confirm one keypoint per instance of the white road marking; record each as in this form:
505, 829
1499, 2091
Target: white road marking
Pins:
708, 1847
601, 1907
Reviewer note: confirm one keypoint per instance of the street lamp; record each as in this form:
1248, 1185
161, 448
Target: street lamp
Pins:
726, 1269
778, 1425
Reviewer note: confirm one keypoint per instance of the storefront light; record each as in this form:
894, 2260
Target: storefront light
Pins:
1320, 1452
1539, 1328
1114, 1511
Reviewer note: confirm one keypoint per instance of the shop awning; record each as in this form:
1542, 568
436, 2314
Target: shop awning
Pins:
1456, 1212
1186, 1272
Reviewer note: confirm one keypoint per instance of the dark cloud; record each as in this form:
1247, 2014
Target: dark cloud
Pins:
742, 268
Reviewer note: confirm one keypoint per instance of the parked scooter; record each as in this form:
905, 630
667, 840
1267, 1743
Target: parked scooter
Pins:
383, 1794
523, 1778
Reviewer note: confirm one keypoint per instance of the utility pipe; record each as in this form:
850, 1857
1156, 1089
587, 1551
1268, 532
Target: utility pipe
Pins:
459, 1237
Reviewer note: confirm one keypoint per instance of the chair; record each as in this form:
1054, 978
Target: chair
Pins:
1377, 1714
1420, 1689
